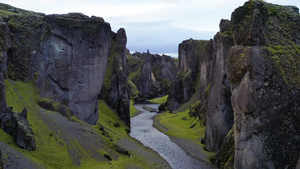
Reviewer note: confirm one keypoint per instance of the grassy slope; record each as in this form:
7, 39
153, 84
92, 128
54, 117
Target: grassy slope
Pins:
54, 147
180, 125
159, 100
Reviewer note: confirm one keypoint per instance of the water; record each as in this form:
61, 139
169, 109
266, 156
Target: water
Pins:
142, 129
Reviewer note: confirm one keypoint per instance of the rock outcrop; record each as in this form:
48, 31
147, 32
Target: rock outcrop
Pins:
184, 84
249, 88
66, 55
218, 107
145, 83
1, 161
11, 122
74, 62
263, 70
151, 75
116, 89
4, 45
22, 132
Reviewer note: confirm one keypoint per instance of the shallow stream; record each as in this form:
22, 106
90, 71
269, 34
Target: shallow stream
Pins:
142, 129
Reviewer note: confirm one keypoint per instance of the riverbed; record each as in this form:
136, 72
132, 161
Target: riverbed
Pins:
142, 130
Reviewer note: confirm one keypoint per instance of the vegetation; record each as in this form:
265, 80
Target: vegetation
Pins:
160, 100
133, 110
182, 125
53, 148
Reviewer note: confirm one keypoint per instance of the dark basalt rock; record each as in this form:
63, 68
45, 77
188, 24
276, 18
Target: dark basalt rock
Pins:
157, 71
1, 161
22, 132
264, 78
116, 90
66, 56
183, 87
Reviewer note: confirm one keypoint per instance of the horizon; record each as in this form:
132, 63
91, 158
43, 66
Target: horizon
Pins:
159, 25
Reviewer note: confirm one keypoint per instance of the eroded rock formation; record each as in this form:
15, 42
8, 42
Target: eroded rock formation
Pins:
11, 122
249, 88
66, 55
263, 70
184, 84
116, 89
151, 75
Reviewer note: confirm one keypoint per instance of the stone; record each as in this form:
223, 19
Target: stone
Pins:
190, 52
22, 132
1, 161
217, 94
66, 56
117, 89
163, 72
267, 130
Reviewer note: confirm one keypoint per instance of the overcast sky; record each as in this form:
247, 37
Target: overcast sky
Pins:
157, 25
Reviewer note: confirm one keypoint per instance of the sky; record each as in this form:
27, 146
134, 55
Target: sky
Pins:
157, 25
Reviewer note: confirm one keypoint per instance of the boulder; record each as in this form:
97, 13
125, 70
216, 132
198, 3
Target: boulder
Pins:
22, 132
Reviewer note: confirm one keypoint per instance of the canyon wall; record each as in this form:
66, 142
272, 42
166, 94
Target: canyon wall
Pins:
151, 74
64, 55
248, 88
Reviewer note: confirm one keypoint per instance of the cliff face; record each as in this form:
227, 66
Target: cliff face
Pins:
184, 84
72, 66
66, 55
4, 45
215, 88
151, 74
264, 72
248, 88
116, 89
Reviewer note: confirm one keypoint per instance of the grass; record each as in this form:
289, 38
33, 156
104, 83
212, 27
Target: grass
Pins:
182, 125
159, 100
178, 127
52, 151
133, 110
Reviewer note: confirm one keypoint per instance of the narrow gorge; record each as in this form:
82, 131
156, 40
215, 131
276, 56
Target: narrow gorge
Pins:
73, 96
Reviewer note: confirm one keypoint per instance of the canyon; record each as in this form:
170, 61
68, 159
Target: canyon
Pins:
68, 84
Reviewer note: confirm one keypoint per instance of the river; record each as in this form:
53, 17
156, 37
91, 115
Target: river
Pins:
142, 129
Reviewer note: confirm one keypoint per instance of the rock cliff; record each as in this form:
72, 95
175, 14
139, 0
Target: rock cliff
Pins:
264, 72
66, 56
151, 74
248, 88
184, 84
11, 122
116, 89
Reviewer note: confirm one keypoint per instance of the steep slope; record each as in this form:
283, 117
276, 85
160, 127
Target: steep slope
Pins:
151, 74
185, 82
66, 54
264, 72
116, 90
247, 92
55, 66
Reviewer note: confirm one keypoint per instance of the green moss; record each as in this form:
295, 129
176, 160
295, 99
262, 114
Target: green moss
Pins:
134, 92
178, 127
207, 91
106, 87
133, 110
160, 100
50, 149
286, 59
